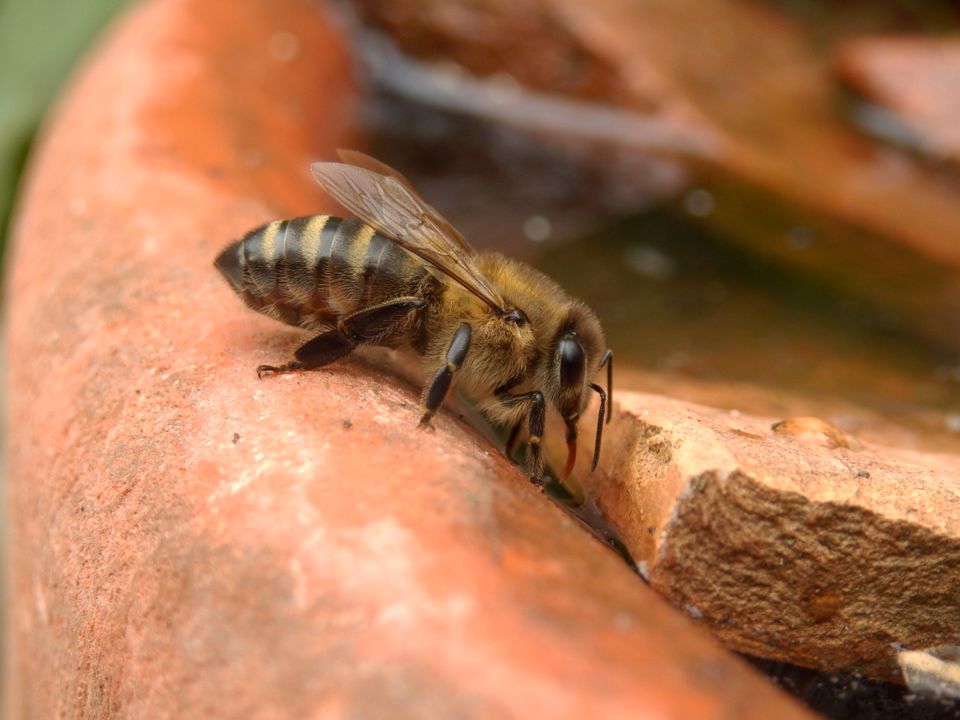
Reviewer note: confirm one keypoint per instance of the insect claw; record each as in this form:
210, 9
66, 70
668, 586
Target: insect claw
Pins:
266, 369
271, 370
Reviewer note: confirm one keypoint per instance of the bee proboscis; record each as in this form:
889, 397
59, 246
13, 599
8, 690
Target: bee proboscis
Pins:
399, 275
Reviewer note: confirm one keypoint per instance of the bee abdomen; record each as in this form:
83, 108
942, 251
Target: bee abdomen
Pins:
310, 271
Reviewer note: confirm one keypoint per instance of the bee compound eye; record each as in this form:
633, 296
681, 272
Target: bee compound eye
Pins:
573, 362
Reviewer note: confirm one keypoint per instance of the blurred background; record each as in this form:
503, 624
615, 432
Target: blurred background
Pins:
40, 42
761, 199
758, 198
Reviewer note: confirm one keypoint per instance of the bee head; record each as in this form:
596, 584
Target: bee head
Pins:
578, 354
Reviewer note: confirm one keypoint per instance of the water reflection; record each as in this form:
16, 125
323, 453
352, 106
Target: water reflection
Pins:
715, 292
681, 301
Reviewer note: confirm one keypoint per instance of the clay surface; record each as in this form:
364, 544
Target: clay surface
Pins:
188, 541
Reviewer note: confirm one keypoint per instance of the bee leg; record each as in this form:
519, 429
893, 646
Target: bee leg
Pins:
368, 325
536, 418
277, 369
316, 352
372, 324
436, 391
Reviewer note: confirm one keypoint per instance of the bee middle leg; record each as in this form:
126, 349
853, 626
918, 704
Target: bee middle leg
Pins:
368, 325
536, 419
437, 390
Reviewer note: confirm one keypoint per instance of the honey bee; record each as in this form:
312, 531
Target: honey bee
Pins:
400, 276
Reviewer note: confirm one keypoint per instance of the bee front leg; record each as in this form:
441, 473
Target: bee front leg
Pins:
437, 390
536, 418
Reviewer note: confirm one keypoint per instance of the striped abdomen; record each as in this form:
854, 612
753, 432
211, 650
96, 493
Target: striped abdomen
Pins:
311, 271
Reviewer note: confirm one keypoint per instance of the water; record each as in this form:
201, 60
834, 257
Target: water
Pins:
710, 291
681, 300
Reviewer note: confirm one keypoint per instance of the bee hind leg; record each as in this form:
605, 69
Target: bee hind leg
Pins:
316, 352
368, 325
372, 324
277, 369
437, 390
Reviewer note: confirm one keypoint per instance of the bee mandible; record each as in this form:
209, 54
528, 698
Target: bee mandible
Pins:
400, 276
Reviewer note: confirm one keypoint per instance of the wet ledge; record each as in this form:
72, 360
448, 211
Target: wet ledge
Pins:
791, 540
188, 541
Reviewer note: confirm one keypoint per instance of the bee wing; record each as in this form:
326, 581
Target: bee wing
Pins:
385, 200
362, 160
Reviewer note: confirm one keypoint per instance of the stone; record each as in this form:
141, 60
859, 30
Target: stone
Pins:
915, 80
790, 539
932, 673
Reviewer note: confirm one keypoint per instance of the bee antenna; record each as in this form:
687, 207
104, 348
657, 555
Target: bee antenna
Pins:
608, 361
571, 446
603, 405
